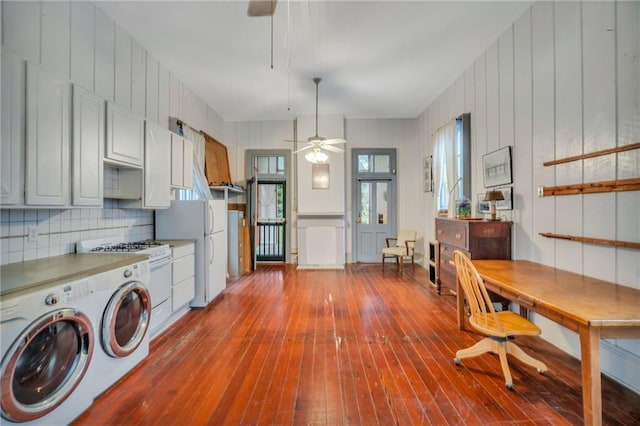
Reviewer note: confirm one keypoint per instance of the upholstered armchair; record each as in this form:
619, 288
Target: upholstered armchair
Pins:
403, 246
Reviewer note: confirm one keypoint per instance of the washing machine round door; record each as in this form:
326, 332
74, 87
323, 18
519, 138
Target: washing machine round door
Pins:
126, 319
45, 364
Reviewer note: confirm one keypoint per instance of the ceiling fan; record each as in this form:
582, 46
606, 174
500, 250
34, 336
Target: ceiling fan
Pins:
261, 7
317, 143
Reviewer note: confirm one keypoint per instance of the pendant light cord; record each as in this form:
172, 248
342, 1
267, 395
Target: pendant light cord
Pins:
317, 81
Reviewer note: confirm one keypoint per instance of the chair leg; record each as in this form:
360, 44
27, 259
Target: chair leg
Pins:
502, 353
483, 346
517, 352
383, 262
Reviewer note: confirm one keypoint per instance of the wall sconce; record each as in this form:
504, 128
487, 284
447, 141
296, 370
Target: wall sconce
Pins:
316, 156
492, 197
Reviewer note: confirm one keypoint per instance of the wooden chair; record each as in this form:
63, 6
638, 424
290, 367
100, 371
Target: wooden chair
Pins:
500, 327
404, 247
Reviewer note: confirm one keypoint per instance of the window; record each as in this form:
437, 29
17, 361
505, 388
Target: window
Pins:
270, 165
454, 176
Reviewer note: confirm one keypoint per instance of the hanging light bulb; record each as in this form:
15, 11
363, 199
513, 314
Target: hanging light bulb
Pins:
316, 156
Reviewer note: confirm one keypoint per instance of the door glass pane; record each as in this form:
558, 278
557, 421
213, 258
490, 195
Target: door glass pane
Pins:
381, 163
363, 164
263, 165
381, 202
365, 203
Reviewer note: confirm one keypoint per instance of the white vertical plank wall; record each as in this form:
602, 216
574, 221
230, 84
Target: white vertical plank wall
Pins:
83, 44
561, 81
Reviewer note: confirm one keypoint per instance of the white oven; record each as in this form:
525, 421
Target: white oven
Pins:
160, 290
159, 284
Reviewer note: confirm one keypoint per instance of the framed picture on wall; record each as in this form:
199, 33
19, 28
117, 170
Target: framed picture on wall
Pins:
496, 167
483, 206
427, 185
507, 203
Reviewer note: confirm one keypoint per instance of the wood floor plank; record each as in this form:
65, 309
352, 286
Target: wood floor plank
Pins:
354, 346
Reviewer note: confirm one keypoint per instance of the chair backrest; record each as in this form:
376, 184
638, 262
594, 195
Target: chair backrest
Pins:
405, 235
477, 297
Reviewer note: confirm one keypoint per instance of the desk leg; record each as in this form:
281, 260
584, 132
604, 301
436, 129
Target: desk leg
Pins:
591, 383
460, 304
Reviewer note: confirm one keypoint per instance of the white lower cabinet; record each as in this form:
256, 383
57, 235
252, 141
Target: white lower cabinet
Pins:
183, 279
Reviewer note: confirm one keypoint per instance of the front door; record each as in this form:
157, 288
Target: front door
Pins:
374, 202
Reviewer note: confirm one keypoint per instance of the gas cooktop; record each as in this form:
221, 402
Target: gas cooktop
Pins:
154, 249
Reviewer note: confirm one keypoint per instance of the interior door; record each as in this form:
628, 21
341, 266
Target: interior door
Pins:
374, 218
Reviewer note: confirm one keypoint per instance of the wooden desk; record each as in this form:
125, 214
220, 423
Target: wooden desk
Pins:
595, 309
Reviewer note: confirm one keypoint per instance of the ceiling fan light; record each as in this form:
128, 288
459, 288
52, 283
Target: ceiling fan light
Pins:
316, 156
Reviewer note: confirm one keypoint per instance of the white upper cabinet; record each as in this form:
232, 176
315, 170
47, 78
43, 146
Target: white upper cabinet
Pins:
187, 164
12, 125
48, 138
181, 162
88, 148
125, 137
157, 166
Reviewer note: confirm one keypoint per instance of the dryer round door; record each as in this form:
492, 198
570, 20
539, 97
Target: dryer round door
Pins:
45, 363
126, 319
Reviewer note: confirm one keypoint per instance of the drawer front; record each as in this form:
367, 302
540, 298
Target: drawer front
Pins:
446, 258
182, 293
490, 230
183, 250
183, 268
454, 233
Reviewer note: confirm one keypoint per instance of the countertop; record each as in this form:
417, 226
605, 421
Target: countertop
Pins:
19, 276
176, 243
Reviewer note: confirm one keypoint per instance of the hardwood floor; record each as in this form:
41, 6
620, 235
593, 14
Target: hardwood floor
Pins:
359, 346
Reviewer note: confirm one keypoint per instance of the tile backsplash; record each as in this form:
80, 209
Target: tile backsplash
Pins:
58, 230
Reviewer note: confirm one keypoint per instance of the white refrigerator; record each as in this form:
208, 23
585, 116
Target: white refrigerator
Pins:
204, 221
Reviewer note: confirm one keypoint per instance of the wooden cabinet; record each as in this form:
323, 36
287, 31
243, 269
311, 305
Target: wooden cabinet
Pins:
47, 177
183, 276
479, 239
181, 162
125, 137
87, 148
12, 138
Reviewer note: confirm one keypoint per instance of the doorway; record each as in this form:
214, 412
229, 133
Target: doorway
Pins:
374, 203
268, 172
271, 220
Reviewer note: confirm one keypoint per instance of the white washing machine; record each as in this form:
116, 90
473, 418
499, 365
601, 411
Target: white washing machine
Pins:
48, 339
122, 331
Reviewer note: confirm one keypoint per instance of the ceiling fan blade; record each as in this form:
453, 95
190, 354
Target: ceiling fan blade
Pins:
261, 7
303, 149
333, 148
334, 141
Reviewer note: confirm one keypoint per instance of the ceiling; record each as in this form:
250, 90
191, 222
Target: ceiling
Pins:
377, 59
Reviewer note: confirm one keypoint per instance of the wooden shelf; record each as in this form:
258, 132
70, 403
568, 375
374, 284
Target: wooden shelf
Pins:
589, 240
593, 187
622, 148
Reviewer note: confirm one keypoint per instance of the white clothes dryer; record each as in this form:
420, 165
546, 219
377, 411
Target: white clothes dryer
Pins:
47, 338
123, 327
